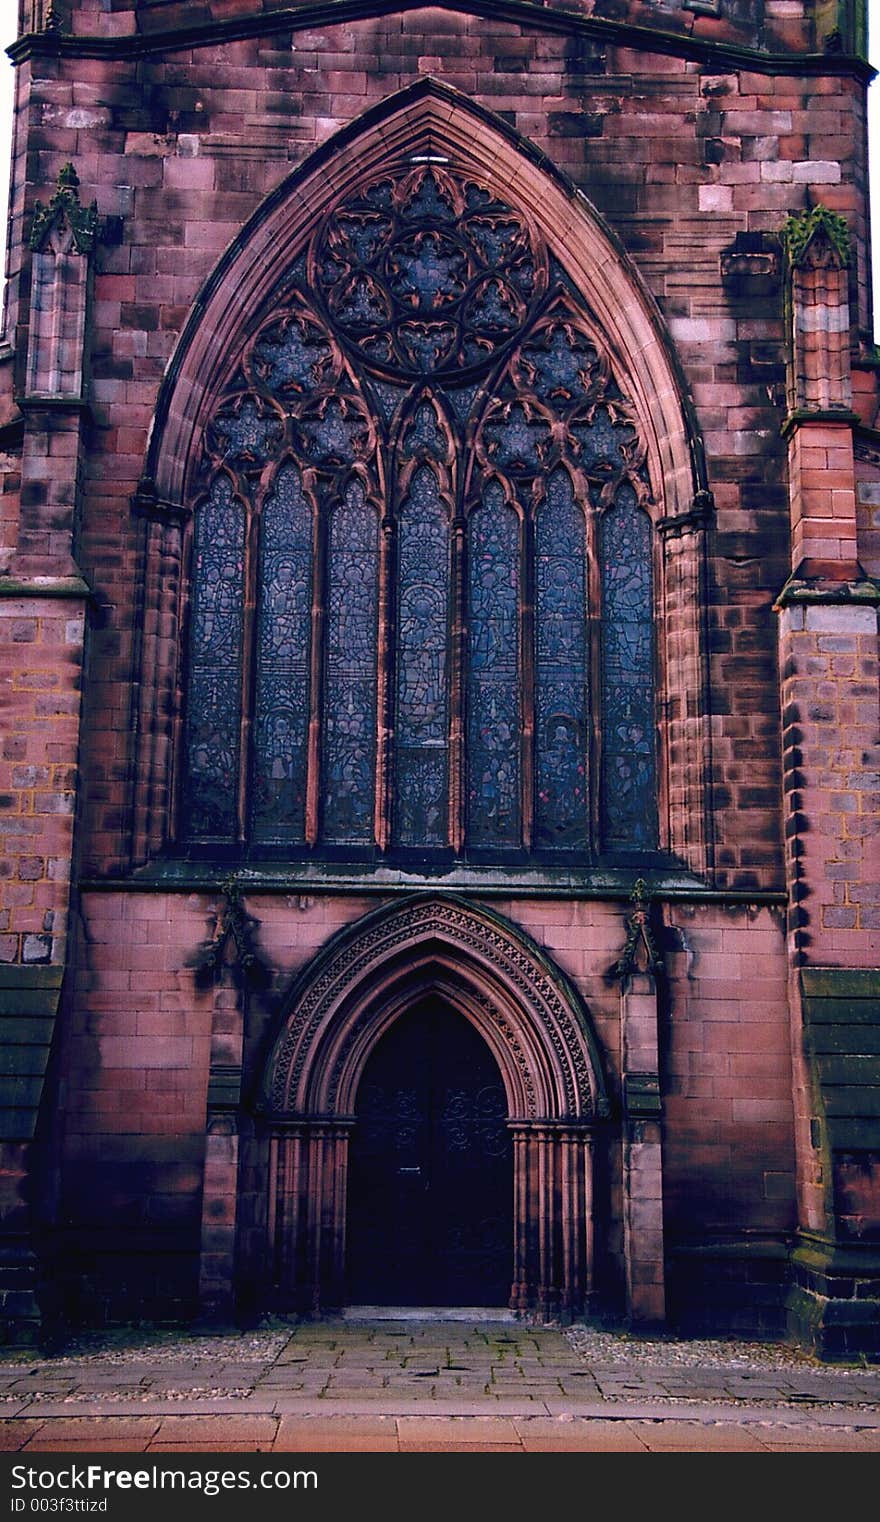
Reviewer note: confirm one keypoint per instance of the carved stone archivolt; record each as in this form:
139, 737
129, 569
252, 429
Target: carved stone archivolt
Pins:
531, 1016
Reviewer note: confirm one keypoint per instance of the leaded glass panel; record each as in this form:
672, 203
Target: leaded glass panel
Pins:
214, 710
494, 724
561, 676
351, 669
283, 648
628, 756
422, 709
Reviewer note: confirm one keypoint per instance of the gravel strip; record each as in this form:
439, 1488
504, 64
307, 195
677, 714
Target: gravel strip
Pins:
116, 1349
604, 1347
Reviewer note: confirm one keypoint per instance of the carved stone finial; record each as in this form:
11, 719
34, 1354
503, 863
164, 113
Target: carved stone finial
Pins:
233, 942
65, 207
53, 21
640, 952
806, 232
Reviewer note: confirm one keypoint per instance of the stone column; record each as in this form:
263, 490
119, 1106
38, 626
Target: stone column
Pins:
308, 1192
155, 703
819, 392
642, 1153
643, 1234
220, 1190
231, 959
553, 1218
683, 538
831, 721
219, 1211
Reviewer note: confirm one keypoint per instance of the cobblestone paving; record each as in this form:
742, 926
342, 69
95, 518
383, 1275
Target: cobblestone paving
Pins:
418, 1385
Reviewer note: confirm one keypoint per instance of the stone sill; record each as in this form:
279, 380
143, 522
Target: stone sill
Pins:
71, 587
187, 876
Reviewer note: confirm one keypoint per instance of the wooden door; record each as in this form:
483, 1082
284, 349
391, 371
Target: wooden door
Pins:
430, 1218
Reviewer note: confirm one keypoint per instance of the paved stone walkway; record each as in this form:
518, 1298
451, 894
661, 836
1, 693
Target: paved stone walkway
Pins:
379, 1386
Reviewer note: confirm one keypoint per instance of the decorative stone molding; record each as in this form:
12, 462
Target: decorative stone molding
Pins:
62, 239
817, 247
865, 591
65, 211
640, 952
819, 426
641, 1096
804, 233
232, 944
525, 1009
146, 503
698, 517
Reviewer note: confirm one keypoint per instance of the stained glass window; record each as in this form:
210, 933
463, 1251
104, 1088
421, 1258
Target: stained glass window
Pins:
422, 710
629, 811
494, 691
422, 462
349, 728
281, 710
214, 709
561, 705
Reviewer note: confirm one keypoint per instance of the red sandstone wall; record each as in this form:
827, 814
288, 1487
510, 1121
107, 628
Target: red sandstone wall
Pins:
41, 644
775, 24
139, 1036
679, 160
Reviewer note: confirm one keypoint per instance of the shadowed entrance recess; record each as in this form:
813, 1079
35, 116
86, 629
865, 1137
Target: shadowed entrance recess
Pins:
431, 1181
505, 1013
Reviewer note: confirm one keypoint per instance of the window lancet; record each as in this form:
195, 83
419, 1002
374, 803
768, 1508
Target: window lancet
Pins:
281, 703
628, 755
422, 717
350, 682
495, 683
215, 677
422, 560
561, 693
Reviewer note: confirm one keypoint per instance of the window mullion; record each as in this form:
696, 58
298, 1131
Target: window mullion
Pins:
527, 657
385, 674
316, 673
457, 656
248, 660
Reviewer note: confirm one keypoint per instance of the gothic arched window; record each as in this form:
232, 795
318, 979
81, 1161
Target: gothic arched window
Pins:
422, 563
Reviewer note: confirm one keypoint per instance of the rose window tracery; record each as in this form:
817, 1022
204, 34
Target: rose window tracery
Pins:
422, 615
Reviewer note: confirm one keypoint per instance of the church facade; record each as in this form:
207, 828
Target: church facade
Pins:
441, 493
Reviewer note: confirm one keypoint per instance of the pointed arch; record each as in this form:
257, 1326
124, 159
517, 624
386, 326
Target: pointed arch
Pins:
526, 1009
285, 337
431, 119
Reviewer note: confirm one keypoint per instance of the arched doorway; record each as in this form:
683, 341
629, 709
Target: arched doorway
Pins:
515, 1017
430, 1187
